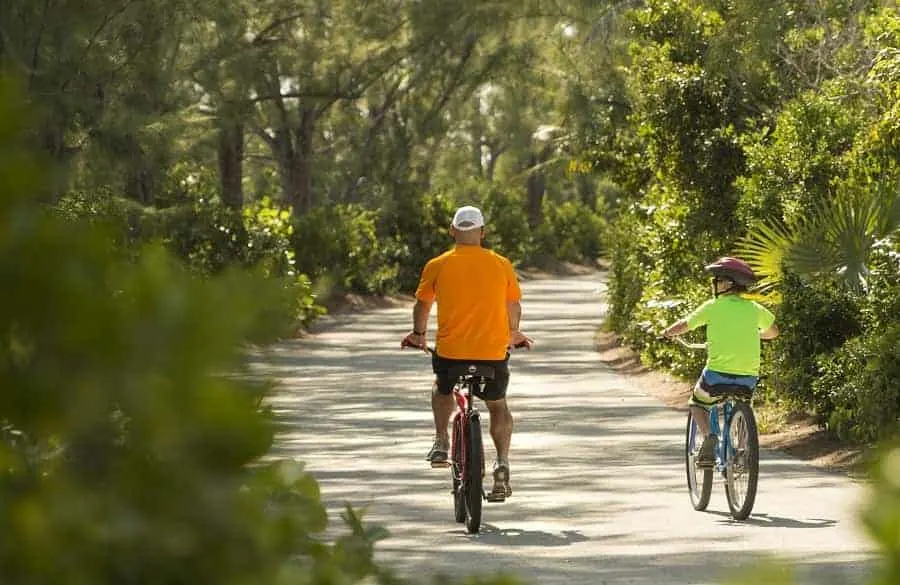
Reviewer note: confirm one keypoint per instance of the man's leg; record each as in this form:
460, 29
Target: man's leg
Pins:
442, 409
501, 427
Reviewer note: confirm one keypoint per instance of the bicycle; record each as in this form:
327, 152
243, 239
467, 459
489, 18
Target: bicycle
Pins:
466, 464
737, 452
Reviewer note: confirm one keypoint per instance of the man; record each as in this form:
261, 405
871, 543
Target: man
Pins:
478, 320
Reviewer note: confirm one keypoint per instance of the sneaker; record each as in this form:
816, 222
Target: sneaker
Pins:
501, 489
438, 454
707, 455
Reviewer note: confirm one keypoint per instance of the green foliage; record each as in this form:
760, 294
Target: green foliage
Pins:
860, 380
815, 318
570, 231
628, 264
209, 238
507, 231
881, 513
418, 229
340, 244
141, 460
792, 165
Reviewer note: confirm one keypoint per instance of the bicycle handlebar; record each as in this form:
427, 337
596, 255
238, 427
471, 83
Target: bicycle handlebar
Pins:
431, 350
687, 344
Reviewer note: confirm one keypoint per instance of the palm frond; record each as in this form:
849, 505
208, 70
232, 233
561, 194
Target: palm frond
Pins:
836, 239
765, 249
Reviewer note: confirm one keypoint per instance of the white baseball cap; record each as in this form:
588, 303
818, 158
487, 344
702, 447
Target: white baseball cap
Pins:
468, 218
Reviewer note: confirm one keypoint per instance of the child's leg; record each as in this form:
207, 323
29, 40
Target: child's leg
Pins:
701, 403
701, 415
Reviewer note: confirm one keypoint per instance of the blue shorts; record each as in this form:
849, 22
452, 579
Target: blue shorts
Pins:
708, 378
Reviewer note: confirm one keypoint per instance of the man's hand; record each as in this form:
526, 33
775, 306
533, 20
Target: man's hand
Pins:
414, 339
516, 337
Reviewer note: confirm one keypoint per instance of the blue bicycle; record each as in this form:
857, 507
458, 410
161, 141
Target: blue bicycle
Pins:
737, 452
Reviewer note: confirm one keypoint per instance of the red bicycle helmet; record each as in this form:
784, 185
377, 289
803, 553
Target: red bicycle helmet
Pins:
733, 269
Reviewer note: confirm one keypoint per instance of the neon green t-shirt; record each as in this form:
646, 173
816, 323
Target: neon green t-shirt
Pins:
732, 333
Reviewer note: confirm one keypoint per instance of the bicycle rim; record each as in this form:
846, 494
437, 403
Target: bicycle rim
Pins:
699, 480
742, 470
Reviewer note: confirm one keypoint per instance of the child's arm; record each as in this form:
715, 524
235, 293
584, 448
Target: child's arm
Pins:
677, 328
770, 333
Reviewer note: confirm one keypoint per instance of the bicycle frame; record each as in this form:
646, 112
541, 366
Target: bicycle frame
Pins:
723, 449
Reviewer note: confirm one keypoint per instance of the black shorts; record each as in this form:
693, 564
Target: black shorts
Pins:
493, 390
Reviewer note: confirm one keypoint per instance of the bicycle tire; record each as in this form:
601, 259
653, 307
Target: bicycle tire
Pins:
740, 510
699, 490
456, 470
474, 492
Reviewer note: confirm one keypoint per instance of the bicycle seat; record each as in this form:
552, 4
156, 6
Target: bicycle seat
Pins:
736, 391
473, 370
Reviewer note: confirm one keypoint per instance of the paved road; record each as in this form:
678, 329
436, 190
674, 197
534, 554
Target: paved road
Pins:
597, 469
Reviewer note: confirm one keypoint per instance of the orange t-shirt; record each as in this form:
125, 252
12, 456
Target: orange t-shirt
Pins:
472, 286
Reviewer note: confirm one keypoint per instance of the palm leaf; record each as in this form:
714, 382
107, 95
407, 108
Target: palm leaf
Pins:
765, 249
836, 239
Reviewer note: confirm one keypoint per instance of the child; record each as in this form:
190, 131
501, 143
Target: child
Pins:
734, 326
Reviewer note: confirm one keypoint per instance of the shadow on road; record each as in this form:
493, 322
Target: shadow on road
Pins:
766, 520
493, 535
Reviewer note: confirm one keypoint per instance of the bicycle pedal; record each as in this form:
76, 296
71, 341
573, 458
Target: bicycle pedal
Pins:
440, 464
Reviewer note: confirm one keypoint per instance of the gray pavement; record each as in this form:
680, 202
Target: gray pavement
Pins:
597, 468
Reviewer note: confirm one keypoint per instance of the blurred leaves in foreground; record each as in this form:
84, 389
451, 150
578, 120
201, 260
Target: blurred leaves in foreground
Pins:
127, 456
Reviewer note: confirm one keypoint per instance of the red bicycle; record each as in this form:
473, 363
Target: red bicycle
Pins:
466, 445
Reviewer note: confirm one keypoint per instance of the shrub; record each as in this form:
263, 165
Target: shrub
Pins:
507, 230
340, 244
815, 319
570, 231
860, 380
142, 462
626, 273
415, 229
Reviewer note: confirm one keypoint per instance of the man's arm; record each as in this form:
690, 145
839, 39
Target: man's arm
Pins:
421, 310
514, 310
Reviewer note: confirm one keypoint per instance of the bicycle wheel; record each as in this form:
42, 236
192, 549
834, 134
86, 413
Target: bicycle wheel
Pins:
456, 470
473, 476
742, 466
699, 480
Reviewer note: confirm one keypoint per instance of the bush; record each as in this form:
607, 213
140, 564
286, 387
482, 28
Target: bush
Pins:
625, 283
815, 318
570, 231
860, 380
508, 232
339, 244
415, 229
143, 460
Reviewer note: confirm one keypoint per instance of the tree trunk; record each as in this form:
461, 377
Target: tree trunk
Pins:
477, 137
536, 186
231, 159
294, 148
